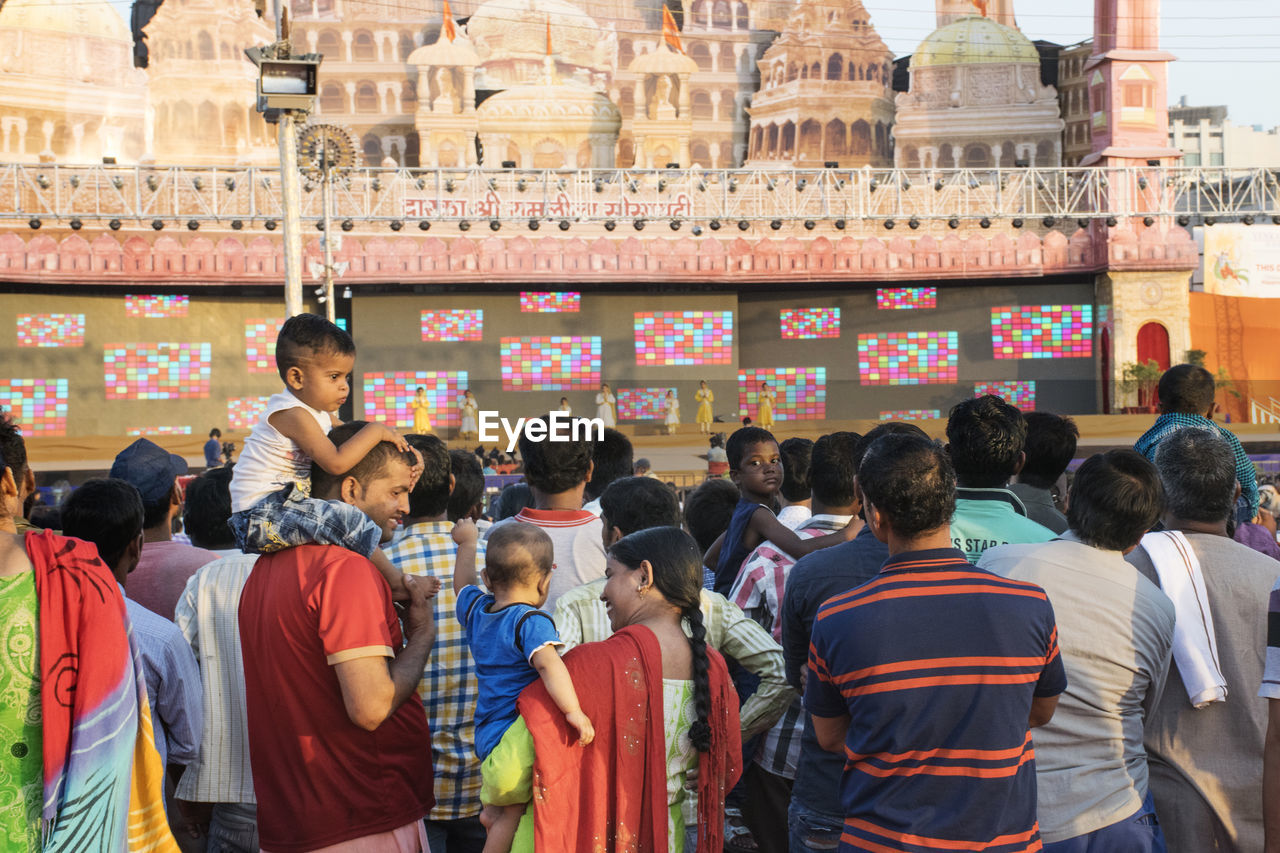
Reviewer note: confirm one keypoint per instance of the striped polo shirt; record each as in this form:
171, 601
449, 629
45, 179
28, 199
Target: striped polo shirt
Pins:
936, 661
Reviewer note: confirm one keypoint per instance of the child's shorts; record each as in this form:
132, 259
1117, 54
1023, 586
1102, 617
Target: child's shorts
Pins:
288, 517
506, 773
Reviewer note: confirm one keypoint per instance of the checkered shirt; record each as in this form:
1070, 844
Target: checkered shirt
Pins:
1246, 472
758, 591
448, 688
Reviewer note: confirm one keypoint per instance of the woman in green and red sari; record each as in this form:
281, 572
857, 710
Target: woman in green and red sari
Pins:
662, 705
79, 766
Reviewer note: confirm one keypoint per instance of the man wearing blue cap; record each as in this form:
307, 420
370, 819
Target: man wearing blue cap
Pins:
165, 565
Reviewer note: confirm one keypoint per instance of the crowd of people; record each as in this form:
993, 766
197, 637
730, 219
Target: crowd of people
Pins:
864, 642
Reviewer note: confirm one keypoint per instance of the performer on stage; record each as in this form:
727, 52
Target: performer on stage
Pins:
672, 407
764, 409
606, 406
470, 429
705, 398
421, 412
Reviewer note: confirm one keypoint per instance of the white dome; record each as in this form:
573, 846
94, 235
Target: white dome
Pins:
81, 18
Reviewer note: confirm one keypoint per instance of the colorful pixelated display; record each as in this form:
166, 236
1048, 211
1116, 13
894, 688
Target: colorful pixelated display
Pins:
160, 430
911, 415
560, 363
50, 330
684, 337
458, 324
1015, 392
642, 404
1042, 331
902, 298
388, 397
908, 358
155, 306
38, 405
800, 324
168, 371
260, 343
532, 302
243, 412
800, 392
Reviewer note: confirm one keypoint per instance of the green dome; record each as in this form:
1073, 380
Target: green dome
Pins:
974, 40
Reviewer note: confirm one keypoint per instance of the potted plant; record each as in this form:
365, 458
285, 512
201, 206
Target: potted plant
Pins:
1140, 377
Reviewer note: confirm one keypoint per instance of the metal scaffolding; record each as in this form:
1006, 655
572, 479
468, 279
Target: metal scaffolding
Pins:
136, 195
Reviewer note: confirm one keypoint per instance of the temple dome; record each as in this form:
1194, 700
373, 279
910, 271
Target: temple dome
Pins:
71, 17
662, 61
974, 40
542, 102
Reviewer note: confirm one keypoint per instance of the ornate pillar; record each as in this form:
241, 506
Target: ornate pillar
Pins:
469, 155
686, 97
641, 106
715, 104
468, 90
346, 43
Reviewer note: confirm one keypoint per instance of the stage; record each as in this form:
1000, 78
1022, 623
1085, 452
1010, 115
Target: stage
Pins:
677, 457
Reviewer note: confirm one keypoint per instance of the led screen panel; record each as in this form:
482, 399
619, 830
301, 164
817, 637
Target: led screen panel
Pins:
642, 404
388, 397
550, 303
906, 298
38, 405
156, 307
1042, 331
674, 338
801, 392
165, 371
801, 324
558, 363
908, 358
1020, 393
455, 324
50, 330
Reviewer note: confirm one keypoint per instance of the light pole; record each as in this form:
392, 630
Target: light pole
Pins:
286, 90
328, 153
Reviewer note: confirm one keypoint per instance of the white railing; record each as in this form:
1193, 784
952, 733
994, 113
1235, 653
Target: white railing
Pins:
1027, 196
1268, 413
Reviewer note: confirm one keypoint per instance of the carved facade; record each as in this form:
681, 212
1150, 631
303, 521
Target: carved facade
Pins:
976, 101
825, 92
202, 88
69, 90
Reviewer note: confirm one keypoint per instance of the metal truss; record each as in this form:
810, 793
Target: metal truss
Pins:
137, 195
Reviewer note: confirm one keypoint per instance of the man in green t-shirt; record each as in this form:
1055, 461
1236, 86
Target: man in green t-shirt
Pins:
985, 439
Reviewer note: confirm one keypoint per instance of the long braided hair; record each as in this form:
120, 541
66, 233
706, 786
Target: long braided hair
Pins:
677, 573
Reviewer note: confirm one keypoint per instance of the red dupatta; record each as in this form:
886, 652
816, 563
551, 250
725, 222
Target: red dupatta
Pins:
611, 796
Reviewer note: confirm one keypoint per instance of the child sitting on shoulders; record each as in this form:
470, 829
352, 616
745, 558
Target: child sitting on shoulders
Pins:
271, 484
755, 466
513, 642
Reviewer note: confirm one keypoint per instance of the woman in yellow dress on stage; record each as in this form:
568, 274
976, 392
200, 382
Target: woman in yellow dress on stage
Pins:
421, 412
705, 398
764, 410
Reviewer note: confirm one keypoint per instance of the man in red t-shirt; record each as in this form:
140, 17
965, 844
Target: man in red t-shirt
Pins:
338, 737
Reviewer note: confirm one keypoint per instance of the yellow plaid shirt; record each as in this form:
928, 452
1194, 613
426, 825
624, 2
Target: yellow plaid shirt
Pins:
448, 687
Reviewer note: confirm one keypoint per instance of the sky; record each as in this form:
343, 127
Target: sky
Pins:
1228, 50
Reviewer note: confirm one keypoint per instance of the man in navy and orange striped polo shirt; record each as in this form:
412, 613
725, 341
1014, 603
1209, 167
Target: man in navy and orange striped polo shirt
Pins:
943, 669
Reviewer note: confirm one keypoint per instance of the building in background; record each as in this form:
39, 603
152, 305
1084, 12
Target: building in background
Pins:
826, 92
1073, 98
1206, 137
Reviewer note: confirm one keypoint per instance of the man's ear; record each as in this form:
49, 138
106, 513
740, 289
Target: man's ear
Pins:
350, 491
28, 483
591, 469
1022, 460
544, 585
453, 481
615, 533
293, 377
8, 488
175, 494
133, 552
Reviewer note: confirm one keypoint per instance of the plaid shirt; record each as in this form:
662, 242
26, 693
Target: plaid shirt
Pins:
448, 687
758, 591
1167, 424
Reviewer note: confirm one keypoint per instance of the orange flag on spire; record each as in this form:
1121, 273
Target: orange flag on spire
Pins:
981, 6
548, 35
449, 29
670, 32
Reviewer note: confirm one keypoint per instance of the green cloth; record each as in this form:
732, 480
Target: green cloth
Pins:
21, 741
986, 520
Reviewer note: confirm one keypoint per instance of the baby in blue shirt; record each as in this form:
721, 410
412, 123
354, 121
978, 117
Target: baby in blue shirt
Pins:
512, 642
